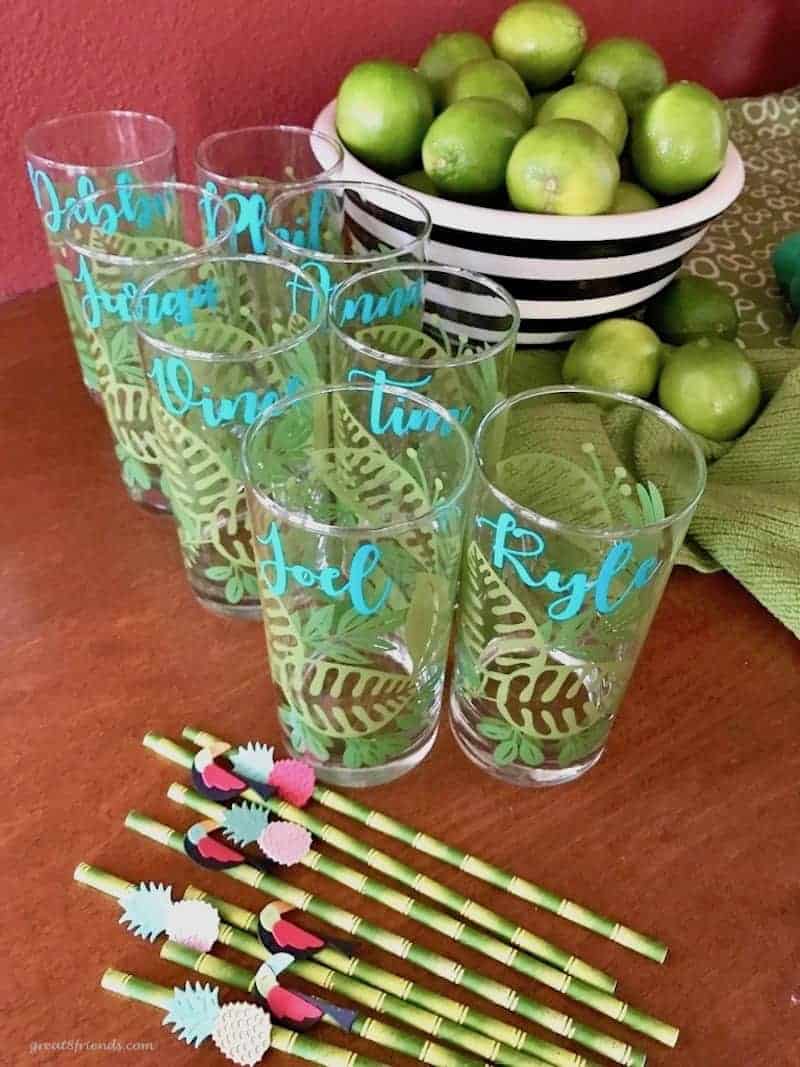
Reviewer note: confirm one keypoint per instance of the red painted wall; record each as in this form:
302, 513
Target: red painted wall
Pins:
206, 65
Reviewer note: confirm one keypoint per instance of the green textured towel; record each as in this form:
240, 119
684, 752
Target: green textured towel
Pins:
748, 521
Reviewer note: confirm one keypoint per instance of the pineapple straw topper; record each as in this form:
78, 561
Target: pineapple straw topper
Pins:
572, 987
143, 909
486, 872
493, 991
242, 1032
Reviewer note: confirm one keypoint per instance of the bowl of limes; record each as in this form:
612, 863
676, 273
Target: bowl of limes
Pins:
578, 177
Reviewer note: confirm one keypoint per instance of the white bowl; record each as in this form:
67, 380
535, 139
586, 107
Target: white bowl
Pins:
566, 272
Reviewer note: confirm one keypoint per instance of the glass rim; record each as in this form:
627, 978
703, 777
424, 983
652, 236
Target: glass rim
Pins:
297, 519
556, 525
88, 168
112, 260
258, 186
251, 355
432, 364
361, 257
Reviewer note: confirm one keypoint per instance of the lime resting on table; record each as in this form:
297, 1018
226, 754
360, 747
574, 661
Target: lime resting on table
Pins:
623, 355
490, 79
467, 148
445, 54
628, 66
383, 111
711, 387
679, 140
786, 260
563, 167
595, 105
691, 307
543, 41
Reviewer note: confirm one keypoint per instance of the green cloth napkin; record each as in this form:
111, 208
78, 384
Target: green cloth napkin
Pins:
748, 521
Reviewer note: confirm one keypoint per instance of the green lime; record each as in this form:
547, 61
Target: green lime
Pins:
689, 308
619, 354
383, 112
538, 100
593, 104
541, 39
491, 79
564, 168
786, 260
679, 140
445, 54
467, 148
631, 197
711, 387
628, 66
419, 180
794, 293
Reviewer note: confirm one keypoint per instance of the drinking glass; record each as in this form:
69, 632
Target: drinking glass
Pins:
445, 332
110, 251
210, 377
74, 156
249, 167
358, 540
335, 229
582, 500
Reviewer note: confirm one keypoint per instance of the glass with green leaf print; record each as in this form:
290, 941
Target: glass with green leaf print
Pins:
358, 540
334, 230
73, 156
109, 253
232, 354
444, 332
582, 501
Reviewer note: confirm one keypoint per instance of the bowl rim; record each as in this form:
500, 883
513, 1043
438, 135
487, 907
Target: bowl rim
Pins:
702, 207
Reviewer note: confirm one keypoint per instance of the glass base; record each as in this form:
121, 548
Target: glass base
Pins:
474, 748
152, 500
364, 777
245, 610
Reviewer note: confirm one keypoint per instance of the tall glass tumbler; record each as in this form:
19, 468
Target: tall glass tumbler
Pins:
109, 253
442, 331
334, 230
210, 378
582, 501
250, 166
73, 156
358, 539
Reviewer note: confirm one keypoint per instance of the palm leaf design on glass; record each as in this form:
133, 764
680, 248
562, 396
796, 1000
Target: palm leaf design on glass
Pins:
77, 325
336, 668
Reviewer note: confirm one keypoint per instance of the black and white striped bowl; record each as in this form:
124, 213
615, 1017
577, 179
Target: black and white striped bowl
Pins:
565, 272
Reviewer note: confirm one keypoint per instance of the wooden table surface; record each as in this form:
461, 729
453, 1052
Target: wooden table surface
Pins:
687, 829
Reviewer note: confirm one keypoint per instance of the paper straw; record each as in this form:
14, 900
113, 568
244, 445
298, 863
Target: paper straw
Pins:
486, 872
373, 996
456, 973
420, 883
319, 975
604, 1003
301, 1045
388, 1037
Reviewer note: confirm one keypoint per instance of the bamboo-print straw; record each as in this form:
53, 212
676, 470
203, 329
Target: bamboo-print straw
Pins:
388, 1037
401, 872
486, 872
376, 998
437, 964
445, 924
319, 975
301, 1045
